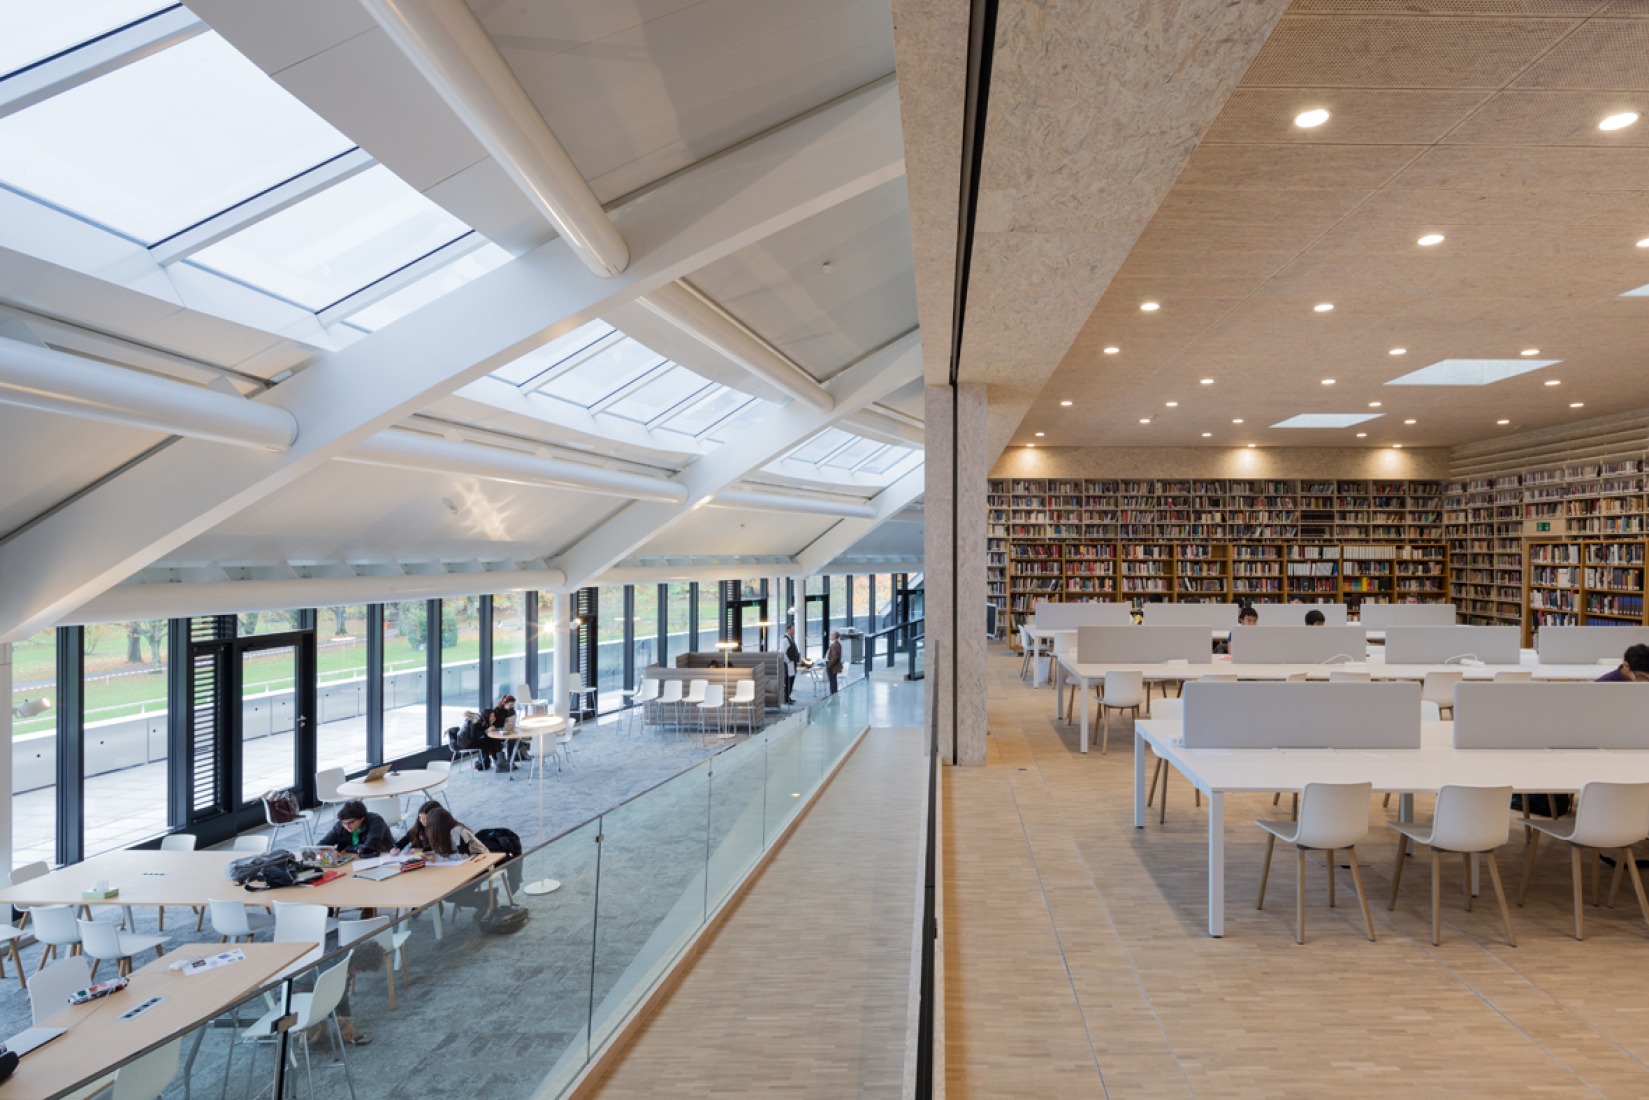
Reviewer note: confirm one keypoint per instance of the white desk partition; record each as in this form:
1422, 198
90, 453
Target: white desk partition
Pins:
1142, 645
1585, 645
1297, 645
1070, 616
1293, 614
1551, 716
1255, 715
1215, 616
1384, 616
1434, 645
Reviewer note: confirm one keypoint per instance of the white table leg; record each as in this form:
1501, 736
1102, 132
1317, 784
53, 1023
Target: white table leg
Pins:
1082, 689
1216, 863
1139, 780
1059, 691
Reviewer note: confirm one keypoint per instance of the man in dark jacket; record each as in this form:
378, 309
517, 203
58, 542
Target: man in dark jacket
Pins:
360, 832
792, 661
833, 659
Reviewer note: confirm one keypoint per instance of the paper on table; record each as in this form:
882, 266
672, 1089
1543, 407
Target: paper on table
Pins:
360, 865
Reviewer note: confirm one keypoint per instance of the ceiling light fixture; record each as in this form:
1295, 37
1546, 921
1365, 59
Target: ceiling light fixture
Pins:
1171, 404
1362, 435
1399, 351
1149, 307
1328, 381
1644, 243
1396, 446
1207, 381
1502, 422
1322, 307
1554, 381
1251, 446
1619, 121
1030, 444
1039, 435
1144, 420
1310, 120
1237, 421
1207, 435
1411, 422
1112, 351
1577, 404
1374, 404
1065, 404
1529, 351
1430, 239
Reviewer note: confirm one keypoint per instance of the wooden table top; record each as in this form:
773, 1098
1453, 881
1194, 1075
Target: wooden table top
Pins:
192, 878
98, 1039
393, 785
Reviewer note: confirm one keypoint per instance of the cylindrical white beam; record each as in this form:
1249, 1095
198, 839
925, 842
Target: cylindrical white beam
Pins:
167, 601
892, 431
446, 43
777, 502
412, 451
52, 381
697, 315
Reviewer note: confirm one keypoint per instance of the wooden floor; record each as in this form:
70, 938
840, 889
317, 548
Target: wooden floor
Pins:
805, 989
1077, 961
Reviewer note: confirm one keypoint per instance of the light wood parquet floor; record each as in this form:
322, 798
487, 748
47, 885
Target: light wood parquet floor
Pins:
1078, 964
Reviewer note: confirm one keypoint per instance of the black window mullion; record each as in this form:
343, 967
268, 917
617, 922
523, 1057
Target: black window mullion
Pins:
71, 744
483, 654
692, 616
629, 678
529, 610
305, 706
375, 681
178, 779
663, 627
432, 672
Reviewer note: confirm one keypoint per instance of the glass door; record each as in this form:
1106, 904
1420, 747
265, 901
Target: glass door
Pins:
271, 681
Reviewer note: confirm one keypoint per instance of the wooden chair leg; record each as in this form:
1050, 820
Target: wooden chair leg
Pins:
160, 919
45, 956
1577, 874
1637, 884
1466, 878
1528, 866
1436, 898
1156, 773
1198, 792
95, 964
1362, 895
1500, 896
200, 917
1299, 900
1265, 871
1386, 801
1397, 871
1328, 857
1294, 814
1105, 737
1276, 798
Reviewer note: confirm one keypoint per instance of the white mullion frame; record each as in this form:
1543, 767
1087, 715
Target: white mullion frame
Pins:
869, 458
720, 420
834, 451
403, 277
659, 370
570, 362
703, 393
99, 57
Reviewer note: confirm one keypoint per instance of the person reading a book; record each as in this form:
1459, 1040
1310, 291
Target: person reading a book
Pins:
438, 833
1634, 667
358, 831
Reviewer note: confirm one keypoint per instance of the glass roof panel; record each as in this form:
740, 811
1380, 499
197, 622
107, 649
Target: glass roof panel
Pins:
666, 392
37, 29
165, 142
336, 242
603, 374
853, 454
819, 446
430, 287
747, 417
887, 460
707, 410
523, 370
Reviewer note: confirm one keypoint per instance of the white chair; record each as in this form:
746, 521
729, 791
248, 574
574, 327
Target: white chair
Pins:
1333, 816
231, 920
393, 942
251, 842
1348, 677
1034, 650
327, 781
318, 1007
715, 701
1468, 820
525, 704
145, 1078
1167, 710
1513, 677
301, 922
576, 689
645, 692
103, 941
1609, 816
172, 842
693, 697
303, 821
1438, 687
443, 768
1430, 711
670, 697
49, 989
54, 928
744, 702
387, 808
1123, 691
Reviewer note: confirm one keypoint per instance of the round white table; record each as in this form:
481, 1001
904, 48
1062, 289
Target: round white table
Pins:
393, 785
537, 726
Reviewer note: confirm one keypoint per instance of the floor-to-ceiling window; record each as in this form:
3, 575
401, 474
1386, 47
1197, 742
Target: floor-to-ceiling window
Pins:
678, 602
709, 616
509, 643
125, 740
269, 712
814, 627
548, 614
644, 643
341, 682
34, 737
460, 657
838, 602
406, 698
612, 636
753, 615
252, 623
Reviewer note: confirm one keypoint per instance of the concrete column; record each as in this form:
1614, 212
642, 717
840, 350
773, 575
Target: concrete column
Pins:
5, 764
956, 475
561, 628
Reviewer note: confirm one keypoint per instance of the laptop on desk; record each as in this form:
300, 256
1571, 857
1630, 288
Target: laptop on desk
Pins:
32, 1039
376, 773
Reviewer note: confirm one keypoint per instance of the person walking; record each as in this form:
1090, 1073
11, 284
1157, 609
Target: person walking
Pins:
833, 659
792, 661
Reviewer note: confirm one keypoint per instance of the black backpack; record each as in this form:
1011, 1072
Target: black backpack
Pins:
272, 871
507, 842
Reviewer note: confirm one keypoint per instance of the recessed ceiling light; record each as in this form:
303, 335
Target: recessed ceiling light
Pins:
1030, 444
1399, 351
1396, 446
1470, 372
1554, 381
1039, 435
1577, 404
1112, 351
1374, 404
1172, 404
1362, 435
1307, 120
1430, 239
1207, 435
1251, 446
1144, 420
1328, 381
1411, 422
1150, 307
1322, 307
1237, 421
1618, 122
1065, 404
1644, 243
1207, 381
1502, 421
1529, 351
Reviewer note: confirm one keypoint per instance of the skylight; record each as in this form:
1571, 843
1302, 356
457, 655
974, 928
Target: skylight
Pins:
747, 417
1640, 292
819, 446
1470, 372
426, 290
336, 242
38, 29
668, 391
165, 142
707, 410
592, 379
851, 455
542, 360
1325, 420
886, 460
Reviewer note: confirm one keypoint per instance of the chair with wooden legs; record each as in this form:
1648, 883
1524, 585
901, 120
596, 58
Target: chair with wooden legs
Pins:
1608, 817
1123, 691
1333, 817
1168, 710
1468, 820
1438, 687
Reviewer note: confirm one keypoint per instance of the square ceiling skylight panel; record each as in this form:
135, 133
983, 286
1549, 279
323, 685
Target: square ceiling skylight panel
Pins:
819, 446
1325, 420
166, 141
1470, 372
412, 298
38, 29
717, 403
591, 379
651, 400
528, 369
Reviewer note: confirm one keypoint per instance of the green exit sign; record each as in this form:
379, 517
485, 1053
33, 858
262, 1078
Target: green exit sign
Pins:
1543, 525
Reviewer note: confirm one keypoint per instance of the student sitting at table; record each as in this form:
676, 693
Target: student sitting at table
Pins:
1246, 616
1634, 668
439, 833
357, 831
1315, 618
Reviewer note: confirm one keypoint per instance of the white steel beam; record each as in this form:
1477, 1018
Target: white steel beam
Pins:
797, 503
840, 538
696, 217
873, 377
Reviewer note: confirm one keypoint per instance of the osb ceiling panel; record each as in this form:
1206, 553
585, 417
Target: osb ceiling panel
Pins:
1477, 121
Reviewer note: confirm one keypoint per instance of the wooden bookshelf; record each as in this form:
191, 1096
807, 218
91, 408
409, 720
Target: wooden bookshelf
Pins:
1584, 582
1483, 521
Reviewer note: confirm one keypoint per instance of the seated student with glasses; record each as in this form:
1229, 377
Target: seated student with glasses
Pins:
359, 831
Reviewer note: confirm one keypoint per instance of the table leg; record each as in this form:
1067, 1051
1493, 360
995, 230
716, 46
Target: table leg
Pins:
1139, 780
1216, 863
1059, 691
1082, 690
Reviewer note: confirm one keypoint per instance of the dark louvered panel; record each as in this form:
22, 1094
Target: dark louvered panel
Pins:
209, 657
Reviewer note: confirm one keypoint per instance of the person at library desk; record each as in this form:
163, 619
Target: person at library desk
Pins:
1246, 616
439, 833
1315, 618
1634, 668
358, 831
503, 719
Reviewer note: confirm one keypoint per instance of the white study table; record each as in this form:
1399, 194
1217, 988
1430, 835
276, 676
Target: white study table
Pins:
1049, 634
1087, 675
1217, 772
